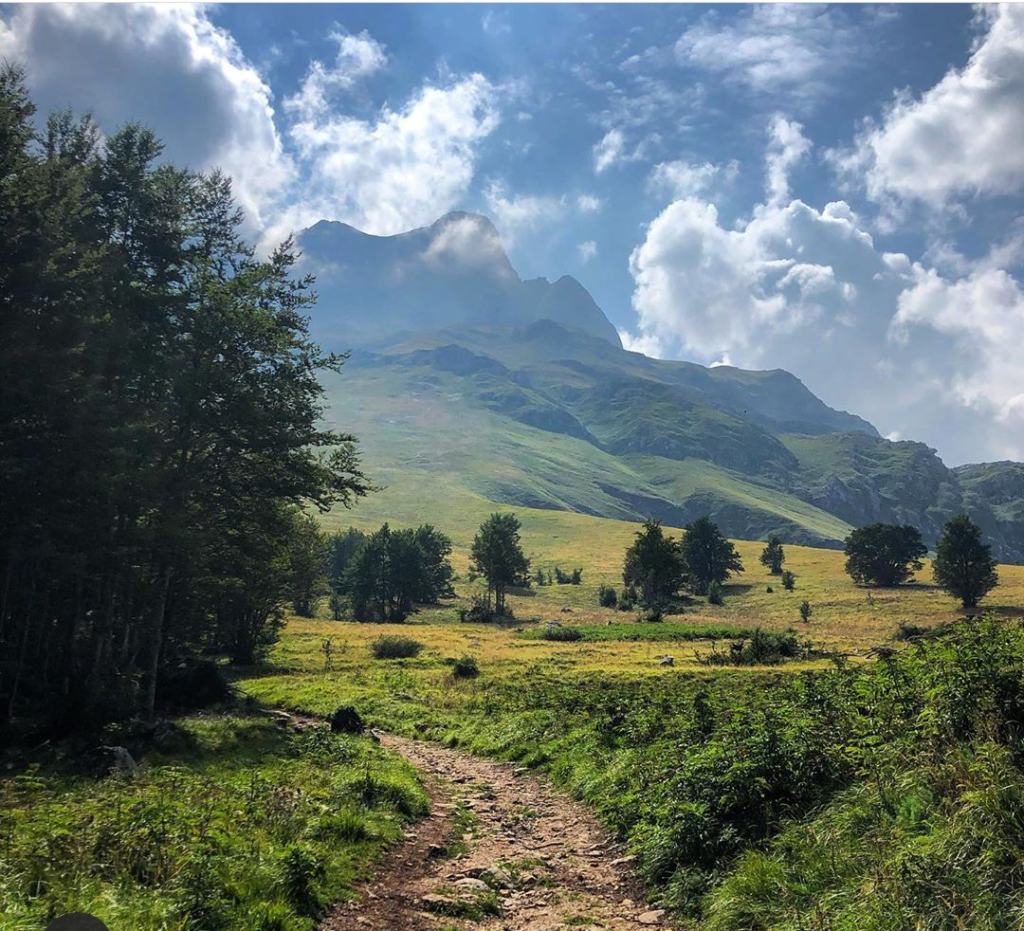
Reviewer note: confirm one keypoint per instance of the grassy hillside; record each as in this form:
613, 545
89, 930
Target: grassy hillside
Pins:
546, 418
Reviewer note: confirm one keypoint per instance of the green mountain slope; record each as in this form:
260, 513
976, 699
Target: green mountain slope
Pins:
469, 386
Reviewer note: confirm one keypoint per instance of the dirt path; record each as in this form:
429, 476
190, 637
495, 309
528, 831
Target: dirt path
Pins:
501, 849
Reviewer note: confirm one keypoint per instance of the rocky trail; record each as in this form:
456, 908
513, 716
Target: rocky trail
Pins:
501, 850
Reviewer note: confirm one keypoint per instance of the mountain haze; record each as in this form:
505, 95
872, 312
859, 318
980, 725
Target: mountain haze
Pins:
466, 380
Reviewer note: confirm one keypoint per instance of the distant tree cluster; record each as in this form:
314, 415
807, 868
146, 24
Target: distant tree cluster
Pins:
659, 567
885, 555
160, 421
393, 570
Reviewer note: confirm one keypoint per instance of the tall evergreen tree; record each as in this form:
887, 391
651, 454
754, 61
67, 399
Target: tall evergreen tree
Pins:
160, 419
963, 564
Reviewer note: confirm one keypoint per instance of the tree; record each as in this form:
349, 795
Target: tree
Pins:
963, 564
308, 556
394, 570
341, 549
788, 580
653, 564
707, 555
498, 556
437, 574
160, 420
773, 556
805, 611
885, 555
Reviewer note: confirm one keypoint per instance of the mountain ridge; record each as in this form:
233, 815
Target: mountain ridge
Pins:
527, 410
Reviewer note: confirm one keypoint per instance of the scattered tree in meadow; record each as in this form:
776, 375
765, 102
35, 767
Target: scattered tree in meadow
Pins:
885, 555
805, 611
963, 564
773, 556
498, 556
607, 597
653, 564
715, 593
788, 580
707, 555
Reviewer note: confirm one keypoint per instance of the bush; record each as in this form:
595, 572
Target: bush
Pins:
346, 720
561, 634
805, 611
788, 580
715, 594
478, 613
629, 598
764, 648
607, 597
393, 647
465, 667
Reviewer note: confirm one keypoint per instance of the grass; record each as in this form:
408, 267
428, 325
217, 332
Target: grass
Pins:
232, 823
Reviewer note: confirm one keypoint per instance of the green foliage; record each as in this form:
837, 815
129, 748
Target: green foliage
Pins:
715, 593
341, 549
395, 647
395, 569
707, 555
963, 564
607, 596
498, 556
308, 553
885, 555
805, 611
561, 634
568, 578
235, 824
465, 667
653, 565
658, 631
773, 556
160, 421
763, 648
788, 580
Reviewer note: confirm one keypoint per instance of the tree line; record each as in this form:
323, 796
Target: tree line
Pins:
159, 421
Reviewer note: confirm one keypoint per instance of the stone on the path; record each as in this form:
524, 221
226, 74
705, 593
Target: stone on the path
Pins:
652, 917
469, 882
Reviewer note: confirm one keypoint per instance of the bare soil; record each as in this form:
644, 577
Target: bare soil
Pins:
501, 849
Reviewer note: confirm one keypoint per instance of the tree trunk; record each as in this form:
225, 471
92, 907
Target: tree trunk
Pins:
149, 700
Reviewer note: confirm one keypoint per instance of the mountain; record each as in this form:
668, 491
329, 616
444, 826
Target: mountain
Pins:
468, 384
454, 272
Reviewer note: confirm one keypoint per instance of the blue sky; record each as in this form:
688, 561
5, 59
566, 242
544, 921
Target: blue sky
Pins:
834, 190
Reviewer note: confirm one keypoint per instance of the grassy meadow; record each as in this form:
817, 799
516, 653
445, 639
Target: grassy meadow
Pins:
824, 792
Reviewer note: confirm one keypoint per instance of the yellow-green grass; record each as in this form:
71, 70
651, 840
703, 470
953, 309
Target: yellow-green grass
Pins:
846, 618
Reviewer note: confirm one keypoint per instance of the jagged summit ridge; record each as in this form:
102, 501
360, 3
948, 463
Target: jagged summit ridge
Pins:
454, 272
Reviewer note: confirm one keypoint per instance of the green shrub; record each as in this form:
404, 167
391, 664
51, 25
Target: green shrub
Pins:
715, 593
561, 634
465, 667
763, 648
395, 647
788, 580
607, 597
805, 611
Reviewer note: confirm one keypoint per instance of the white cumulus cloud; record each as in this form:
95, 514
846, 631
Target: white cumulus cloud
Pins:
167, 65
962, 138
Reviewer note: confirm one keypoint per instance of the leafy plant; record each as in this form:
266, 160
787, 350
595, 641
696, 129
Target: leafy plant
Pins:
395, 647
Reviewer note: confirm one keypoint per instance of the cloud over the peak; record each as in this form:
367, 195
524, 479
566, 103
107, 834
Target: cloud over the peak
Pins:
400, 169
964, 137
358, 57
